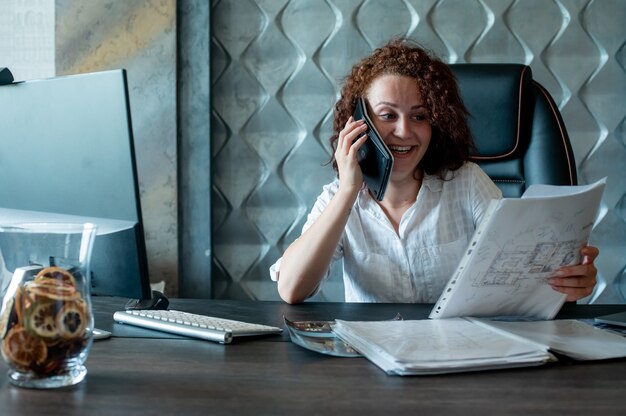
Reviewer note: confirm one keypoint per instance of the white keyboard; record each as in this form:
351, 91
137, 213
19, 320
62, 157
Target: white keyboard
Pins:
193, 325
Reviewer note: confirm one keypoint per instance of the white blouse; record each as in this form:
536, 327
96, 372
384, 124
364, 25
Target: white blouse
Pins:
413, 265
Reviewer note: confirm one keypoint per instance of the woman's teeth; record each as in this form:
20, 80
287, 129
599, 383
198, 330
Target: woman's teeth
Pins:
399, 149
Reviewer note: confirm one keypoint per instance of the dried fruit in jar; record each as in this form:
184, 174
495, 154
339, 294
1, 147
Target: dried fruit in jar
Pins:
71, 321
23, 349
40, 319
56, 273
51, 289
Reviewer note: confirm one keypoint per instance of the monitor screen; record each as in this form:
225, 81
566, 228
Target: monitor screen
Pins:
67, 153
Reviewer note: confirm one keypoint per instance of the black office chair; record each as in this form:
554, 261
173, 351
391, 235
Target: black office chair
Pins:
519, 133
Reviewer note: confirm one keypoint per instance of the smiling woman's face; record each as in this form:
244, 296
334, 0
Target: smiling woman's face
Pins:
401, 118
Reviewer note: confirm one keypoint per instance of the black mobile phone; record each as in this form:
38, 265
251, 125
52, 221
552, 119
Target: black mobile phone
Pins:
374, 157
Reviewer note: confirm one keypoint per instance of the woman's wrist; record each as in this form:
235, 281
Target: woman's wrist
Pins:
344, 199
348, 192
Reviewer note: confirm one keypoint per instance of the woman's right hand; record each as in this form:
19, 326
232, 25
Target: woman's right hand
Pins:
346, 155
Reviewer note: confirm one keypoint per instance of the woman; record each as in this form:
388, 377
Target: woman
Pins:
405, 247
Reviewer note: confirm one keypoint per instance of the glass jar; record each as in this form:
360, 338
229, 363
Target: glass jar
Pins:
46, 321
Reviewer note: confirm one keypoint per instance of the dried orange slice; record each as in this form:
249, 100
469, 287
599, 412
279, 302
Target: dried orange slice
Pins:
56, 273
71, 321
82, 305
23, 300
50, 289
23, 349
41, 319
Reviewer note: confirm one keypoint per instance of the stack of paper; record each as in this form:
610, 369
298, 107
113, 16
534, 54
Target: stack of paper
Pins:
438, 346
467, 344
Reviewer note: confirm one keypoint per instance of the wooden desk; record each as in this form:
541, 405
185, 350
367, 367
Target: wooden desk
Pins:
130, 374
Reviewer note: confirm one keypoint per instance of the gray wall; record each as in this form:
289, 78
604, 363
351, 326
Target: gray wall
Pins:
277, 66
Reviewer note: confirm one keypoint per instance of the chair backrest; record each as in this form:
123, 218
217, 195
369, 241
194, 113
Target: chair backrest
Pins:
518, 130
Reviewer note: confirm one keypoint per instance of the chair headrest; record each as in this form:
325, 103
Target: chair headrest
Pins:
496, 97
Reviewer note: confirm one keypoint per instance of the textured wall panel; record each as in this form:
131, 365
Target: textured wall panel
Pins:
603, 95
277, 69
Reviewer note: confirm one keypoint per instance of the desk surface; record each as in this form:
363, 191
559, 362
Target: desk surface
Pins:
147, 372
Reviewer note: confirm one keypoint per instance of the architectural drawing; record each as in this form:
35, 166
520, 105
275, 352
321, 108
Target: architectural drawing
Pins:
521, 266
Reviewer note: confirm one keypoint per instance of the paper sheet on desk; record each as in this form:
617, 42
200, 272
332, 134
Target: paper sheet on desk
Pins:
438, 346
569, 337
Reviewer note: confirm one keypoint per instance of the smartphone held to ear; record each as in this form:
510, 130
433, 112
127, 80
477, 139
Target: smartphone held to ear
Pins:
374, 156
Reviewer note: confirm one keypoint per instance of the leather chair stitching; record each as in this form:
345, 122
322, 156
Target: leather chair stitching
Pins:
510, 180
519, 122
561, 129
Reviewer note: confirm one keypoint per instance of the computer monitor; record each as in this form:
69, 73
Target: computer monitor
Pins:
67, 154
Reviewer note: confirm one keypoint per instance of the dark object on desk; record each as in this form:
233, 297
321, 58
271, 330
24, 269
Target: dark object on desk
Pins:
6, 77
618, 319
374, 157
157, 301
81, 126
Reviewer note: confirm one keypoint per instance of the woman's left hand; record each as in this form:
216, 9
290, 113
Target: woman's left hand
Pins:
577, 281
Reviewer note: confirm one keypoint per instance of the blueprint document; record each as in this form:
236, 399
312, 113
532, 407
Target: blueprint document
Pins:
519, 244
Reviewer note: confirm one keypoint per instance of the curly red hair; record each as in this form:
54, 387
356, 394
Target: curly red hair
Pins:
451, 142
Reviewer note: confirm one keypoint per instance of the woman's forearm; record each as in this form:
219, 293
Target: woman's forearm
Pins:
306, 261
